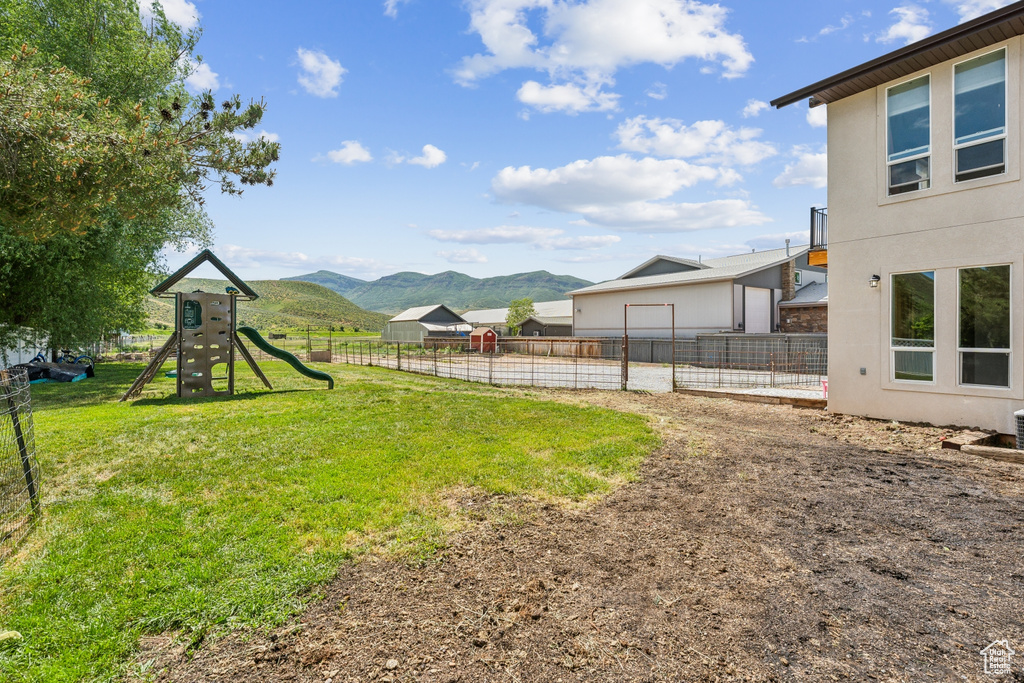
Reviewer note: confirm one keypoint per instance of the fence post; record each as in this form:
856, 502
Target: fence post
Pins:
490, 366
624, 373
26, 463
576, 368
399, 345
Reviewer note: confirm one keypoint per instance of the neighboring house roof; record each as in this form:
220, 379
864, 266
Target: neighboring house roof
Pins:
969, 36
496, 316
414, 314
650, 262
725, 268
814, 294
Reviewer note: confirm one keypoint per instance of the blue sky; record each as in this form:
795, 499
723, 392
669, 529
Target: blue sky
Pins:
502, 136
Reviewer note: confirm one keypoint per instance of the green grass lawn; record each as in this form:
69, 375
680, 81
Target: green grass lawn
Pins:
195, 516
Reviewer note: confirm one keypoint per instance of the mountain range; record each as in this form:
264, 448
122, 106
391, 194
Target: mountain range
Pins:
395, 293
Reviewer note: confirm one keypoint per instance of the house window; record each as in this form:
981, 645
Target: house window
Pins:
979, 116
984, 343
913, 326
908, 149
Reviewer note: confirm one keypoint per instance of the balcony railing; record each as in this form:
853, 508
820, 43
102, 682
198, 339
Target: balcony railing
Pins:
819, 228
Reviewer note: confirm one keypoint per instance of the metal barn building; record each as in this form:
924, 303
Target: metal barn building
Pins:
414, 324
738, 293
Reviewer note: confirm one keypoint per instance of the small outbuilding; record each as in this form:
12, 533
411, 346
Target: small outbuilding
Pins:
546, 326
484, 340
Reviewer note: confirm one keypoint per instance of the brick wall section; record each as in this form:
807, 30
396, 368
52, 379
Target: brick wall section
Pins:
788, 280
805, 319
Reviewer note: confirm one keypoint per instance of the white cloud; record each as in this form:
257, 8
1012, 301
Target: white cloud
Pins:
818, 116
391, 7
581, 242
181, 12
504, 234
463, 256
754, 108
776, 240
202, 77
246, 137
810, 168
351, 152
911, 26
709, 141
432, 157
624, 193
583, 44
568, 98
657, 91
541, 238
972, 9
320, 75
245, 257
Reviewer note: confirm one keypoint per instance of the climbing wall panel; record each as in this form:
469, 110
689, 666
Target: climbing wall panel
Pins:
206, 354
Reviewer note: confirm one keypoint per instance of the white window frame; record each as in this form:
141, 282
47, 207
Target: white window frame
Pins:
961, 349
980, 140
912, 349
914, 157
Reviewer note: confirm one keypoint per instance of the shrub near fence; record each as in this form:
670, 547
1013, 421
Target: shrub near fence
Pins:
19, 471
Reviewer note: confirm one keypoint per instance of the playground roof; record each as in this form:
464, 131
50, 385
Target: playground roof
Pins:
205, 256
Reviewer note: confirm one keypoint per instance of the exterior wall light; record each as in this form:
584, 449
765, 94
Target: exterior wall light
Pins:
873, 282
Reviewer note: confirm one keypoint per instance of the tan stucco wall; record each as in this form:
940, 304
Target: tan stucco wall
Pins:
950, 225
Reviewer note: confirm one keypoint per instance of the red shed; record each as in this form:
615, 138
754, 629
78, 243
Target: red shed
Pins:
484, 340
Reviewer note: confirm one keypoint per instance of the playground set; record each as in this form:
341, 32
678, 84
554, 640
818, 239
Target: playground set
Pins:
206, 338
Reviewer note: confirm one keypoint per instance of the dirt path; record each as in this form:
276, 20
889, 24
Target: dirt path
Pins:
762, 543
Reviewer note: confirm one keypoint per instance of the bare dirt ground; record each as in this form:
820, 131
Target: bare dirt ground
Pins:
761, 543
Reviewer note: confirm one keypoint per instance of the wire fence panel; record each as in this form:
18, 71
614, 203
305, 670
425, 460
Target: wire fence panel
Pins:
521, 361
19, 470
749, 361
741, 361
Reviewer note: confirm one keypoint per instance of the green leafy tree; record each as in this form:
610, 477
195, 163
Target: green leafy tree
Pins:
518, 311
104, 159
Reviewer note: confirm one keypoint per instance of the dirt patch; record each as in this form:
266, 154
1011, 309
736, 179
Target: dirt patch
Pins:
762, 543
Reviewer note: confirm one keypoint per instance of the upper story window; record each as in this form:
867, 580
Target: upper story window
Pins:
979, 116
908, 148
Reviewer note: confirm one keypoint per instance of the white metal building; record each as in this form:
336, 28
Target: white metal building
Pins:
730, 294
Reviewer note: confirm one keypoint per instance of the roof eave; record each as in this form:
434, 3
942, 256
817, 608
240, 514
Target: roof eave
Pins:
982, 23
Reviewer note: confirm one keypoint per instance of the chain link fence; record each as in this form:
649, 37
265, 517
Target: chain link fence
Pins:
19, 470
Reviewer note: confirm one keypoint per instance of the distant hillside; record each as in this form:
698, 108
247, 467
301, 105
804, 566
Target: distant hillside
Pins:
281, 304
395, 293
342, 284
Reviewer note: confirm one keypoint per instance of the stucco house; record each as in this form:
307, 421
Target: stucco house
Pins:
924, 240
740, 293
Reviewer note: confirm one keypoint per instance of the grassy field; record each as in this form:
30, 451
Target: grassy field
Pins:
282, 305
164, 515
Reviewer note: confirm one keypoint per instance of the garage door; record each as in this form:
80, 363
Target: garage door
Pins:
758, 311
